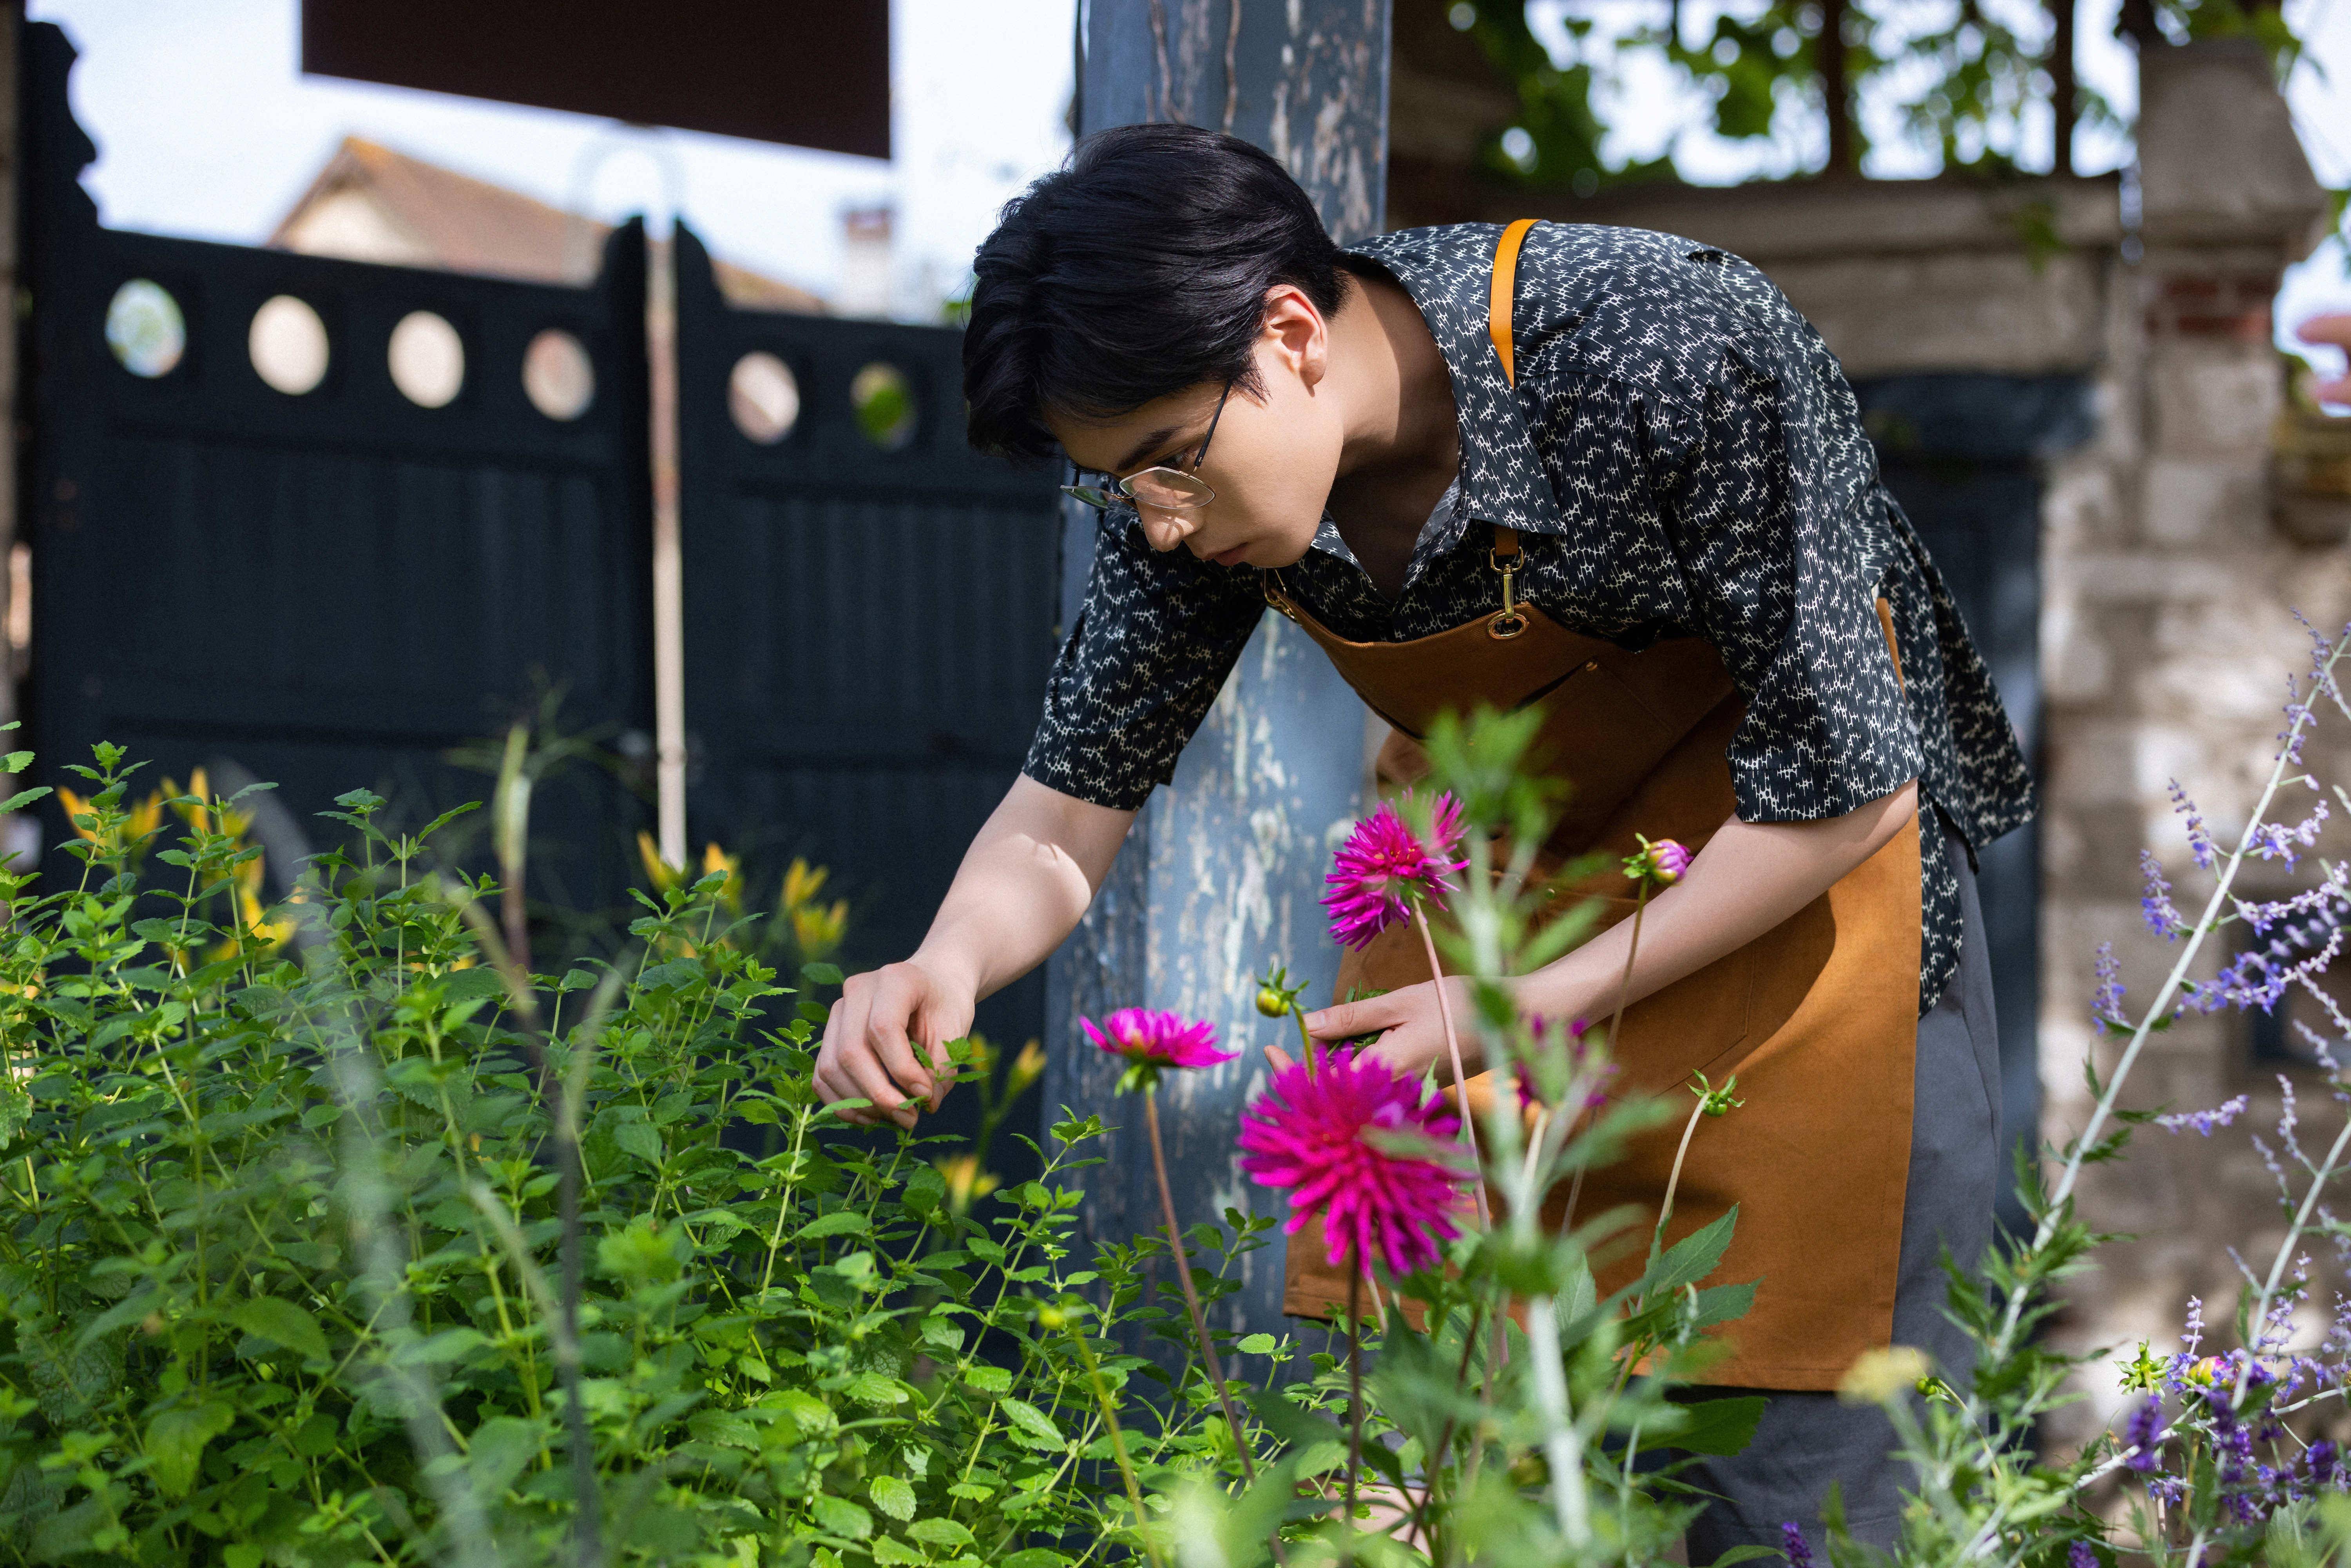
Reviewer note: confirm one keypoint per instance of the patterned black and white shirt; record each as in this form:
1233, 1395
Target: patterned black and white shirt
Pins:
1681, 454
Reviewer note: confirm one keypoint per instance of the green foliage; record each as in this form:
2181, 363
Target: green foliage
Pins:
1966, 79
284, 1261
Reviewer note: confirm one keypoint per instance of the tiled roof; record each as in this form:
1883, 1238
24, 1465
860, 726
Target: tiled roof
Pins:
450, 220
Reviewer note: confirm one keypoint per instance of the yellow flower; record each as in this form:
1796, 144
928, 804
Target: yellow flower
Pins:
138, 825
967, 1183
1882, 1377
819, 931
659, 871
1027, 1068
801, 885
715, 858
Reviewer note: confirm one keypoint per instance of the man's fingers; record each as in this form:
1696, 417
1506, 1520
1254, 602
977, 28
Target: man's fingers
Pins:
1280, 1059
2333, 326
896, 1054
872, 1081
1349, 1019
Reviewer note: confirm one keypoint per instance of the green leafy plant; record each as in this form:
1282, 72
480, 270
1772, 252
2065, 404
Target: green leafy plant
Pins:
369, 1246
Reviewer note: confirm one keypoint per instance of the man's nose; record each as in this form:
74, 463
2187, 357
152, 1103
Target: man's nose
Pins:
1166, 530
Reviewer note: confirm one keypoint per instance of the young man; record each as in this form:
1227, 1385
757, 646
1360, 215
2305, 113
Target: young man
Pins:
1605, 471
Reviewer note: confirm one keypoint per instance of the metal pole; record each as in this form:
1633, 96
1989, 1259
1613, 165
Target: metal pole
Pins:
1221, 873
669, 567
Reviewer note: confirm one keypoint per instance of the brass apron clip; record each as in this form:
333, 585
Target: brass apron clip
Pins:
1506, 623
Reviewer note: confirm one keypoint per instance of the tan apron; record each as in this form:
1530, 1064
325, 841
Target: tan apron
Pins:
1817, 1017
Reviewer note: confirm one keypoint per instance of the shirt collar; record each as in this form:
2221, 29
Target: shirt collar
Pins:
1448, 273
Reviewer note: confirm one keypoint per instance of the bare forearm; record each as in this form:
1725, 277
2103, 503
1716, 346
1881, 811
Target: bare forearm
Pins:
1748, 878
1023, 886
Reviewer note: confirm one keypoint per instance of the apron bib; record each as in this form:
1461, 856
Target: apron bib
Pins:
1818, 1017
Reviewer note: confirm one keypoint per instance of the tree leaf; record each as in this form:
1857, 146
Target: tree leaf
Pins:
1718, 1425
1034, 1422
839, 1516
280, 1322
642, 1139
939, 1532
840, 1222
176, 1440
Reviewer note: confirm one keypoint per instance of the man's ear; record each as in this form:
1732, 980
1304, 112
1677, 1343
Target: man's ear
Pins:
1298, 333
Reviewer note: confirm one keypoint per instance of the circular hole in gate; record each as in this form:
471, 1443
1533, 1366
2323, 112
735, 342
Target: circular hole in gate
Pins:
288, 343
883, 401
558, 375
763, 397
145, 329
427, 359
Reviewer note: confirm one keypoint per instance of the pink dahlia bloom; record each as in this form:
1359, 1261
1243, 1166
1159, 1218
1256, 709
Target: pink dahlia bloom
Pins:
1157, 1039
1339, 1140
1384, 865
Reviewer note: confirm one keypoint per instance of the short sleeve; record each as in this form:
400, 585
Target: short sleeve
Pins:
1153, 642
1781, 539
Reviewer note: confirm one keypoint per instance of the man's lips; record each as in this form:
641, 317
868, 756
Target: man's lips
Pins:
1231, 557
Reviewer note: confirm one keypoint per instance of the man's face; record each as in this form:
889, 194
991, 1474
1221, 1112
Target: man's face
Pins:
1271, 461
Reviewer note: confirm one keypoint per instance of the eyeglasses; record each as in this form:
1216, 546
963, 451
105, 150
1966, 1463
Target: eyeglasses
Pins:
1162, 488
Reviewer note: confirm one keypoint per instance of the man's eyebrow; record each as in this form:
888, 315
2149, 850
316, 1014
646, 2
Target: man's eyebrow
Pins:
1145, 447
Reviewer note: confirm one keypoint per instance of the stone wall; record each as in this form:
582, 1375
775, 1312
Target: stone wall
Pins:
2167, 635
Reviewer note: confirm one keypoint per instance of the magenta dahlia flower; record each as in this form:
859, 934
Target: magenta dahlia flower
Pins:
1354, 1144
1384, 865
1153, 1038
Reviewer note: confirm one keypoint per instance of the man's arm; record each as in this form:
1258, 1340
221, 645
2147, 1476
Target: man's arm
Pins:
1023, 883
1750, 877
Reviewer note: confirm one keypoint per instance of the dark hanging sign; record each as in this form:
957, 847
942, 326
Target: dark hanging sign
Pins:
802, 72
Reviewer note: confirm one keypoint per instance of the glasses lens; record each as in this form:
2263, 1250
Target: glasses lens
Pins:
1169, 489
1091, 494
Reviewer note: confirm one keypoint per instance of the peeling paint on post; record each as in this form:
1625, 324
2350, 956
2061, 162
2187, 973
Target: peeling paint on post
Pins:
1223, 870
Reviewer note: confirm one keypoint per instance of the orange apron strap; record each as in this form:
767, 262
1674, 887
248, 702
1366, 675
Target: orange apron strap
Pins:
1885, 623
1506, 293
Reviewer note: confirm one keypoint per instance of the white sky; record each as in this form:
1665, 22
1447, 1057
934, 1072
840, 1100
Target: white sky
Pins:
205, 127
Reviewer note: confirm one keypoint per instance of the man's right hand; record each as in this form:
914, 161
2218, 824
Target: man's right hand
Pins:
886, 1042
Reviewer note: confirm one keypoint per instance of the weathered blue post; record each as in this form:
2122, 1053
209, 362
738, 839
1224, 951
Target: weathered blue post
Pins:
1222, 871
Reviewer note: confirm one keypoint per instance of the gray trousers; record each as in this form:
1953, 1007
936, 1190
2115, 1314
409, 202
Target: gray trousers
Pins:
1806, 1440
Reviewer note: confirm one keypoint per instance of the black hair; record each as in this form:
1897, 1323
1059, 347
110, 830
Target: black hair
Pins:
1138, 268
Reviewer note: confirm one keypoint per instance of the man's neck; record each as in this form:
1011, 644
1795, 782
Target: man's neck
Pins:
1403, 443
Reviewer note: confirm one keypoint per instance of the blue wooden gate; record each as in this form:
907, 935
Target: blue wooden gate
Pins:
333, 587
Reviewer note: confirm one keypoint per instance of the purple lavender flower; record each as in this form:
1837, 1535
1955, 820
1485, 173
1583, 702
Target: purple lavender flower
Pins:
2167, 1489
2079, 1556
2278, 840
2106, 1002
1791, 1541
2161, 918
2199, 837
2143, 1434
2203, 1121
2318, 1463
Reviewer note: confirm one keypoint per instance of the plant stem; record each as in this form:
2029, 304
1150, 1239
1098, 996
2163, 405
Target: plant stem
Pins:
1355, 1399
1117, 1438
1191, 1297
1453, 1049
1666, 1209
1625, 984
1562, 1445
